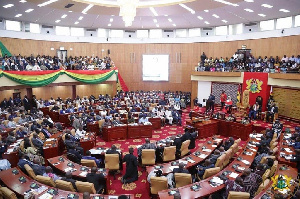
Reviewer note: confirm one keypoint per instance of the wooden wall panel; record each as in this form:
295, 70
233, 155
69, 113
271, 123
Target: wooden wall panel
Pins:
94, 89
180, 69
52, 91
9, 93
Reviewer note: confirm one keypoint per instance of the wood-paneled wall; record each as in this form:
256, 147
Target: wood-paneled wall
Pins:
9, 93
183, 57
95, 89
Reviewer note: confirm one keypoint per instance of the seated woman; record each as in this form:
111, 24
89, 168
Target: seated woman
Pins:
228, 104
31, 151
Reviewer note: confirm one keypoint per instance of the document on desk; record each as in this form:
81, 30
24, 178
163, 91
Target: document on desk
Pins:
288, 150
46, 196
173, 167
83, 174
246, 162
233, 175
206, 150
95, 151
253, 150
202, 156
182, 161
218, 140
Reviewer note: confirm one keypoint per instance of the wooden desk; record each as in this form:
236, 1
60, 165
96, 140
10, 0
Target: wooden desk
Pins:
93, 127
114, 133
207, 189
156, 122
54, 116
282, 150
139, 131
88, 142
45, 110
12, 153
64, 118
207, 130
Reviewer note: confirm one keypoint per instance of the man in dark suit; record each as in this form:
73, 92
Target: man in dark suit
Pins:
24, 160
181, 169
211, 100
37, 168
228, 143
97, 179
26, 103
73, 144
89, 157
36, 141
131, 174
68, 178
177, 142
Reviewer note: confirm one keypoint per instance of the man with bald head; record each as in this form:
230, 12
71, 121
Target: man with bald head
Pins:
37, 167
147, 145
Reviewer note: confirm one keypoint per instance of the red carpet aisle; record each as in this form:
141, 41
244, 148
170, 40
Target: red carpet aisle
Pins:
139, 188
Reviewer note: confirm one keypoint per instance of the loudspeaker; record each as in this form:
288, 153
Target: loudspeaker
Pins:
108, 51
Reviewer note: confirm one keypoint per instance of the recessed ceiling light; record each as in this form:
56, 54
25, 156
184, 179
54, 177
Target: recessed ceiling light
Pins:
57, 21
224, 21
262, 15
284, 10
153, 11
174, 24
112, 15
64, 16
166, 15
70, 11
46, 3
155, 20
227, 2
18, 15
157, 25
248, 10
80, 18
8, 5
266, 5
214, 15
170, 20
250, 1
206, 10
29, 10
109, 24
111, 20
187, 8
76, 22
87, 8
23, 1
199, 17
206, 22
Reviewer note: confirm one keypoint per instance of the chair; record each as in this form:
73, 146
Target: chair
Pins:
73, 158
16, 119
7, 193
266, 175
262, 186
169, 153
158, 184
220, 161
275, 150
112, 162
30, 171
64, 185
101, 122
229, 154
5, 122
148, 157
273, 145
88, 163
45, 180
182, 179
185, 148
238, 195
273, 168
85, 187
264, 159
211, 172
73, 132
22, 146
238, 141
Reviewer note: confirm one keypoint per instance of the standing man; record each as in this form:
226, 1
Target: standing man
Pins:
211, 100
223, 99
203, 57
26, 103
131, 174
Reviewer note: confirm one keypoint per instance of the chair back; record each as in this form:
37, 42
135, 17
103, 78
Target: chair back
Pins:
274, 145
275, 150
262, 186
182, 179
185, 148
112, 161
220, 161
101, 122
7, 193
158, 184
148, 157
238, 141
85, 187
238, 195
22, 146
211, 172
30, 171
73, 132
273, 168
64, 185
264, 159
16, 119
266, 174
169, 153
45, 180
88, 163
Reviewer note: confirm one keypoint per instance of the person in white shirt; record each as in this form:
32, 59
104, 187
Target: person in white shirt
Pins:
103, 113
36, 67
169, 116
161, 114
29, 67
143, 119
80, 133
285, 58
154, 110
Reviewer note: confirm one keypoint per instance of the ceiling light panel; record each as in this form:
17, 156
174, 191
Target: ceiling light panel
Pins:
80, 18
29, 10
23, 1
157, 25
76, 22
174, 24
87, 8
187, 8
109, 24
262, 15
18, 15
206, 22
170, 20
8, 5
46, 3
57, 21
225, 21
111, 20
248, 10
216, 16
153, 11
227, 3
249, 1
155, 20
64, 16
266, 5
284, 10
199, 17
206, 10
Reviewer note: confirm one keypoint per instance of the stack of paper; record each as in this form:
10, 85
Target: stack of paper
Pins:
202, 156
246, 162
233, 175
83, 174
173, 167
206, 150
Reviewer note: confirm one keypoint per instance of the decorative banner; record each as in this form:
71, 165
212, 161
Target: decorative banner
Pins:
43, 78
257, 85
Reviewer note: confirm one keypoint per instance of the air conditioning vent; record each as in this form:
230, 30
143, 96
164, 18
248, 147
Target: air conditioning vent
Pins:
207, 28
168, 31
250, 24
45, 26
69, 5
130, 31
91, 30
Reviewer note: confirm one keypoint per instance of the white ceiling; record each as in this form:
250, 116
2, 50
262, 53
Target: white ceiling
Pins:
99, 16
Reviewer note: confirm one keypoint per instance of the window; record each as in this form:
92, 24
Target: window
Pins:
267, 25
286, 22
102, 32
34, 28
221, 30
195, 32
60, 30
156, 33
77, 32
239, 29
181, 33
297, 20
116, 33
230, 30
142, 33
13, 25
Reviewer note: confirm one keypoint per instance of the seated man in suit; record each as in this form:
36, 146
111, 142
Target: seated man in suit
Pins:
113, 150
24, 160
215, 156
73, 144
201, 168
228, 143
11, 138
181, 169
97, 179
89, 157
68, 178
37, 142
72, 150
176, 117
147, 145
37, 167
143, 119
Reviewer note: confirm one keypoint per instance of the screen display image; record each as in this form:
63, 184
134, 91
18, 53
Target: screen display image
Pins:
155, 67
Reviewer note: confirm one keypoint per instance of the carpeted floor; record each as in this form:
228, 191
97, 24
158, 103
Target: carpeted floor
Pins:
139, 188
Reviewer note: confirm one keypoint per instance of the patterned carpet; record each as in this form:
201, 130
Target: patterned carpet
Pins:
139, 188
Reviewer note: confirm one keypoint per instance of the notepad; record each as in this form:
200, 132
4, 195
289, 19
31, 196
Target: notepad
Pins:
83, 174
191, 161
202, 156
246, 162
218, 140
173, 167
206, 150
288, 150
253, 150
182, 161
214, 146
233, 175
